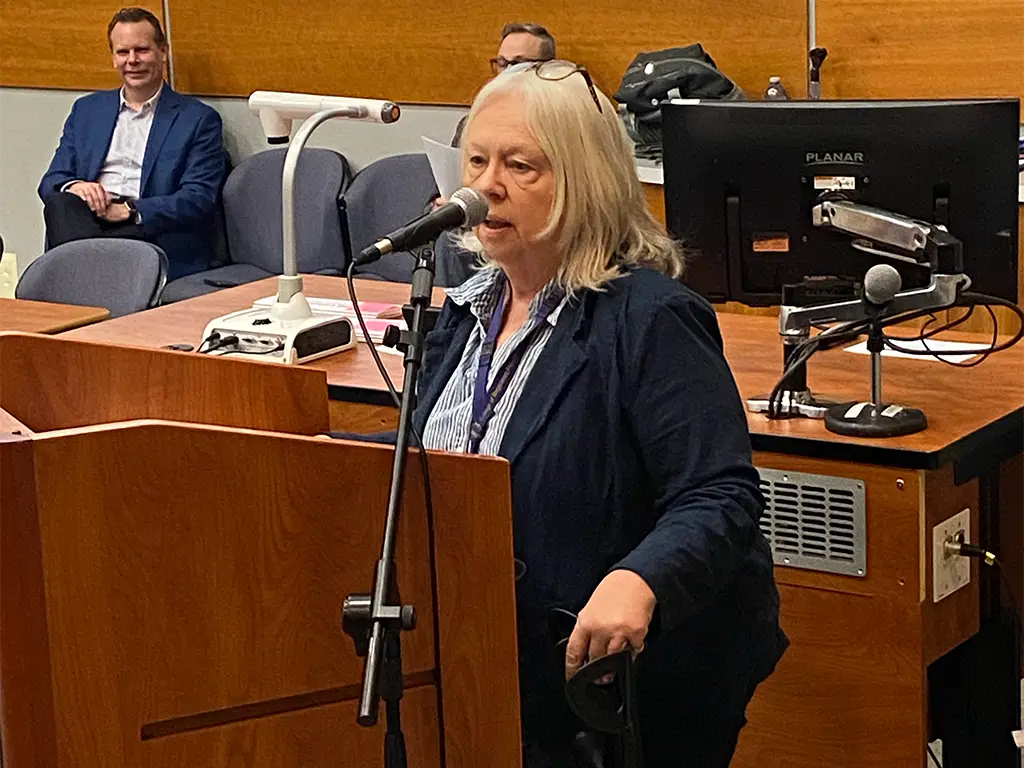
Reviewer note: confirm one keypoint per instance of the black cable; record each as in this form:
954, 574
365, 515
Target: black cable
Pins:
349, 277
982, 354
997, 564
212, 337
949, 326
842, 333
835, 335
218, 343
970, 300
270, 351
424, 464
988, 558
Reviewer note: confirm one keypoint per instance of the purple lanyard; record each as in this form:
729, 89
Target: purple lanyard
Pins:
485, 399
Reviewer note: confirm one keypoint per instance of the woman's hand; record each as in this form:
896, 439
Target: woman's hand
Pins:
617, 615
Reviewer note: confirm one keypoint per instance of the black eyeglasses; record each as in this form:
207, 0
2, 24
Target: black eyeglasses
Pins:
499, 63
560, 69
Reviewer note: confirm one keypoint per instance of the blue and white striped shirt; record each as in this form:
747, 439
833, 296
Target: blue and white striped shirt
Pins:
447, 427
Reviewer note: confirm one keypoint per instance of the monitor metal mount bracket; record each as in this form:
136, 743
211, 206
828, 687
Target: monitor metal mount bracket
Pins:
924, 244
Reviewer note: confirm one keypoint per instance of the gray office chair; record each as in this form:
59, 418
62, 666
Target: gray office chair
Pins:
454, 265
252, 219
123, 276
385, 195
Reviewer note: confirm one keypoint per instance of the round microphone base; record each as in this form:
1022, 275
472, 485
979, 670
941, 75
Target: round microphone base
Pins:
871, 420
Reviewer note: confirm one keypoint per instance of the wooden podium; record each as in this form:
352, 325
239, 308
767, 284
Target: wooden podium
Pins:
176, 547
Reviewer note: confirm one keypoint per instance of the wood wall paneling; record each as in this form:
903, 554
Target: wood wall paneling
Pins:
414, 52
58, 45
922, 48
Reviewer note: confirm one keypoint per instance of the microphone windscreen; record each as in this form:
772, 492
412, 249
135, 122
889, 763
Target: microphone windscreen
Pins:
881, 283
474, 203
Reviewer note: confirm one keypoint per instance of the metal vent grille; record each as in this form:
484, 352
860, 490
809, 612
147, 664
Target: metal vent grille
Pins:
815, 521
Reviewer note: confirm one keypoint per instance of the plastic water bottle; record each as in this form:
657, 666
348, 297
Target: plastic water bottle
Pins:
776, 91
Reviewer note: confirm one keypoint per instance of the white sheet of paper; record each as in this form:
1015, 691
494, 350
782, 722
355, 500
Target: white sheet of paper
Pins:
972, 350
446, 163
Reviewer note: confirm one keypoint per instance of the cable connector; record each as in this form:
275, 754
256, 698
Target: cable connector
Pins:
956, 545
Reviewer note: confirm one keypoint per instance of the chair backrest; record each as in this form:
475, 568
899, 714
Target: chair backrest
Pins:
123, 276
252, 210
221, 252
385, 195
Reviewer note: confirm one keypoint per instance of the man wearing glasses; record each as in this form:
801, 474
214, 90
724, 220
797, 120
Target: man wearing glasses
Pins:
523, 42
519, 43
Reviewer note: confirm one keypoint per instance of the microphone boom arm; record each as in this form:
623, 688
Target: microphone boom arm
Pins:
926, 244
941, 292
922, 244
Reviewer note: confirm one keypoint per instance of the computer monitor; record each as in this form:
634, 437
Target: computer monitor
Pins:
741, 179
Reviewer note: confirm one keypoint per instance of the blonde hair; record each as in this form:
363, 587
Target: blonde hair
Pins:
599, 211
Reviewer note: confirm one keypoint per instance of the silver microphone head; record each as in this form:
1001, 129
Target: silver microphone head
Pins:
473, 203
881, 283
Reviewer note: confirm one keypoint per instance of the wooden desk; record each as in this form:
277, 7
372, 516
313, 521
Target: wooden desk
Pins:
175, 557
46, 317
359, 398
962, 404
878, 642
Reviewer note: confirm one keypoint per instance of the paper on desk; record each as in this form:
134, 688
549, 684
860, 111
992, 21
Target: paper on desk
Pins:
973, 350
446, 163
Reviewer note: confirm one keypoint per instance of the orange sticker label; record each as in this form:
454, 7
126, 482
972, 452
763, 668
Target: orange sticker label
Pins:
771, 242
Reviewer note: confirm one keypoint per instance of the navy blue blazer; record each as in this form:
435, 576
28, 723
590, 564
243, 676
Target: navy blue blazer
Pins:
182, 171
629, 449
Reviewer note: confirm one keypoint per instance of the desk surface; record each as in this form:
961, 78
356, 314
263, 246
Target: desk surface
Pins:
966, 407
351, 375
46, 317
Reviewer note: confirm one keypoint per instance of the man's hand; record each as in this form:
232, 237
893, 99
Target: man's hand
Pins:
616, 616
437, 202
95, 196
115, 213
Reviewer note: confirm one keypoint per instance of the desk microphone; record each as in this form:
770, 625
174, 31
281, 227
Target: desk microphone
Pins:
881, 283
467, 208
876, 418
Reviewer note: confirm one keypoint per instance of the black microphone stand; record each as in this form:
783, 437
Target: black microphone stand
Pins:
875, 418
375, 621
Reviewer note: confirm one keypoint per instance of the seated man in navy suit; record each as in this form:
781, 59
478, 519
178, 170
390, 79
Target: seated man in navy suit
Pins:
141, 162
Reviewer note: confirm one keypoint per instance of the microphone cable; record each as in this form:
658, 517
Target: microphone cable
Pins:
845, 332
424, 464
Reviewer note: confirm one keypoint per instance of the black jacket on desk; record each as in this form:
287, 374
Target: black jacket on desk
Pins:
629, 449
